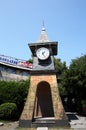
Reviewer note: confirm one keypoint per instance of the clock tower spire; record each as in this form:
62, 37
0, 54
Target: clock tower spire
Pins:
43, 36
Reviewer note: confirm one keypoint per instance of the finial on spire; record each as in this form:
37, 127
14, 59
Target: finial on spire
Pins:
43, 23
43, 28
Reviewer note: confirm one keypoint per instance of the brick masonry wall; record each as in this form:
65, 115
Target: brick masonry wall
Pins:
28, 111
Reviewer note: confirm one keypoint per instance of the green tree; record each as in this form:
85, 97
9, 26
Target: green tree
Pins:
60, 68
77, 72
74, 79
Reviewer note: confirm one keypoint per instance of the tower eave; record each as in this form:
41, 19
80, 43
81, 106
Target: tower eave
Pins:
53, 45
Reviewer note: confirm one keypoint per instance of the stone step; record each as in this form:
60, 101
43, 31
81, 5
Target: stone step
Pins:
43, 121
49, 122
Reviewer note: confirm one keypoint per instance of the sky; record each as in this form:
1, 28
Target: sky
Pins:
21, 23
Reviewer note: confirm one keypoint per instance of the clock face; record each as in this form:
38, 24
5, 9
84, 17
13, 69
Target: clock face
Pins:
42, 53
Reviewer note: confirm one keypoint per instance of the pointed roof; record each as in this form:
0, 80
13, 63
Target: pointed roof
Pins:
43, 36
43, 41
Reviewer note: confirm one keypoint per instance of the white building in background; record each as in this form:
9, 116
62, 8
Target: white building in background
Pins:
14, 69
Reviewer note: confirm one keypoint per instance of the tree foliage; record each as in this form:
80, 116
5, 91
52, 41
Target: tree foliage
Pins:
14, 92
59, 66
78, 71
74, 79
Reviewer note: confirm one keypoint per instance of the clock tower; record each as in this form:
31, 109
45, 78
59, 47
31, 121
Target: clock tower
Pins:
43, 106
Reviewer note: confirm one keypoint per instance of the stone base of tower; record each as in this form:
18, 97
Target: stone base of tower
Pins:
43, 106
43, 123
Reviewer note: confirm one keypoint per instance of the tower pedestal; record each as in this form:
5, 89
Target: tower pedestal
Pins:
43, 106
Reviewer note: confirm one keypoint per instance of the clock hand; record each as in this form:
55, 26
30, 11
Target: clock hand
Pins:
43, 52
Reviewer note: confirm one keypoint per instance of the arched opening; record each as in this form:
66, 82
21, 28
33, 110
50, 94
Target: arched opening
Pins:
43, 102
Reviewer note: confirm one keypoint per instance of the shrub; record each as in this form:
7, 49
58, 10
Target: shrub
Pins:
8, 111
15, 92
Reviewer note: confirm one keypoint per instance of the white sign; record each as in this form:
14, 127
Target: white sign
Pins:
42, 128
